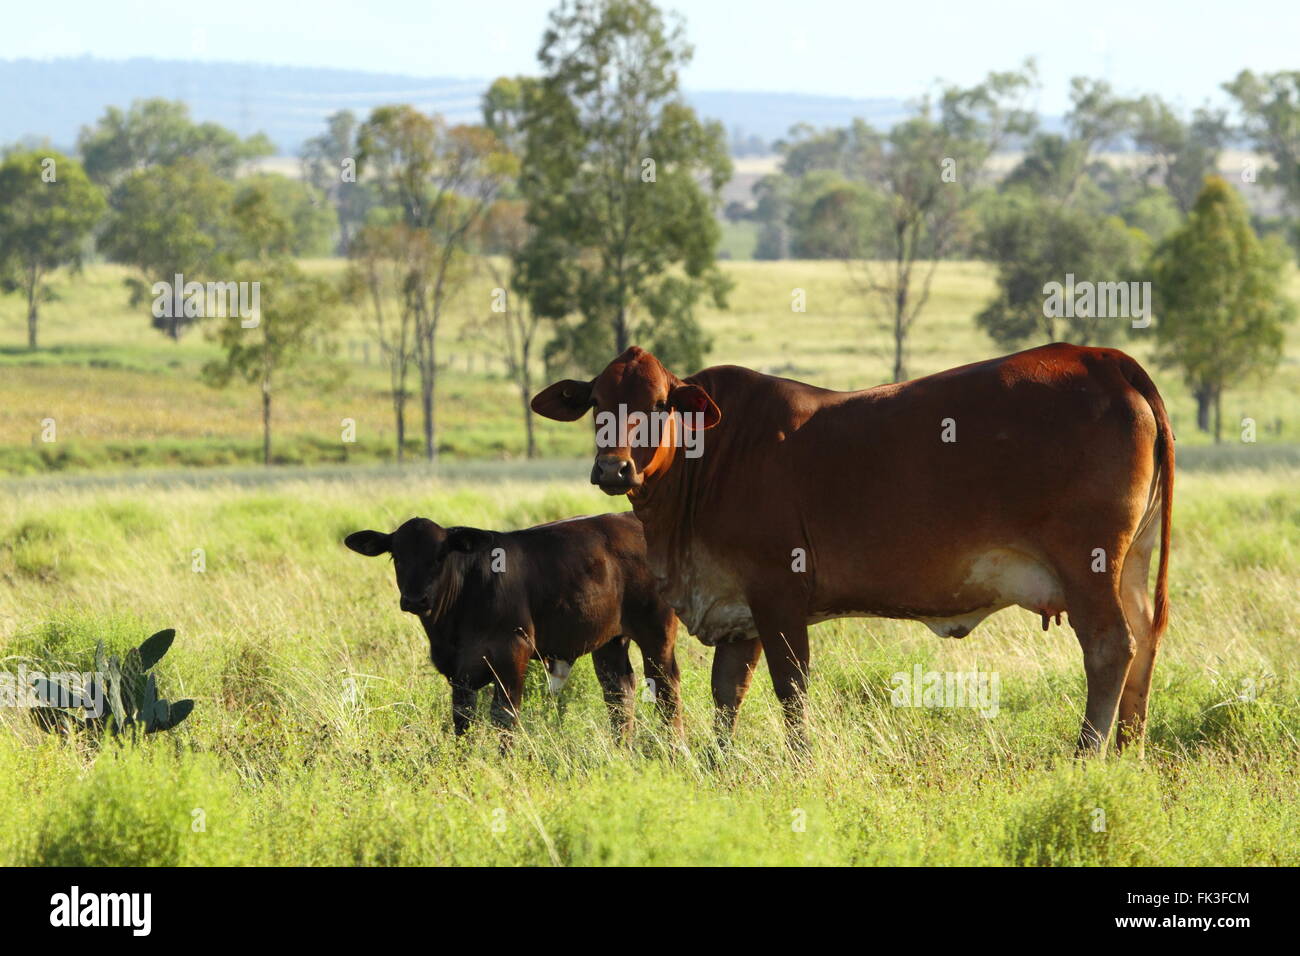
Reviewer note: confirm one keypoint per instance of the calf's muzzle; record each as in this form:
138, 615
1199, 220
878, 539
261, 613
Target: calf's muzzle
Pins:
416, 605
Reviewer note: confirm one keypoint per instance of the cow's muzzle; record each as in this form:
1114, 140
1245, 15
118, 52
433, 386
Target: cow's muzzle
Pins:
615, 475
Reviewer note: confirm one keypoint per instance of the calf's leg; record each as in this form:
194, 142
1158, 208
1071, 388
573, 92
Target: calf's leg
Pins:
661, 670
614, 671
464, 705
657, 641
508, 691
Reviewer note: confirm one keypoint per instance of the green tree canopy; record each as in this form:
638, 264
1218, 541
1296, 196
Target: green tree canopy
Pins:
1034, 240
932, 171
308, 225
503, 110
291, 337
833, 218
1182, 152
441, 180
158, 132
624, 176
329, 166
48, 208
892, 204
1221, 308
386, 275
170, 220
1270, 109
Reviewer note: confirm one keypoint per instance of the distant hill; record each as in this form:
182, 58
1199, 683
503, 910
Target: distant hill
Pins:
53, 99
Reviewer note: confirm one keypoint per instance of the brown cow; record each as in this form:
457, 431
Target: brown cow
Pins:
1039, 479
491, 601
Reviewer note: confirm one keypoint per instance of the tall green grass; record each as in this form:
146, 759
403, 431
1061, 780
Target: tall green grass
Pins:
322, 734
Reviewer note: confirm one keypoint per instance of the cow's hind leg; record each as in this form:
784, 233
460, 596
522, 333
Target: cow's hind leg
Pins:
733, 671
1139, 614
614, 671
1097, 616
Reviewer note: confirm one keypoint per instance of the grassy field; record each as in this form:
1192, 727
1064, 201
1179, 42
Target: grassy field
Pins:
322, 733
286, 767
122, 396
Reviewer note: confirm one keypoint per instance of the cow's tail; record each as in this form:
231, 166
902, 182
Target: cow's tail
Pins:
1164, 452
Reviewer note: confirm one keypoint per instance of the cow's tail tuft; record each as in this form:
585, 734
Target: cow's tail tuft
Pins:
1164, 452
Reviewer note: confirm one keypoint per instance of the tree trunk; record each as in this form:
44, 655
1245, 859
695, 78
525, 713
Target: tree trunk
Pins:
1218, 415
1204, 396
900, 306
345, 233
33, 283
426, 407
399, 411
620, 330
266, 424
428, 379
900, 336
31, 321
900, 369
620, 317
526, 393
525, 397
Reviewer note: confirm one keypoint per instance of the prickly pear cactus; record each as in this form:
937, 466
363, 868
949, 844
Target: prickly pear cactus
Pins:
122, 695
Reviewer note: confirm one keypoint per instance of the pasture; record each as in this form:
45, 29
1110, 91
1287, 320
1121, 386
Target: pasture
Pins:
322, 735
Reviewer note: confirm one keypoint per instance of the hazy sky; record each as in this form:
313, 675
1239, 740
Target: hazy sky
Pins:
896, 48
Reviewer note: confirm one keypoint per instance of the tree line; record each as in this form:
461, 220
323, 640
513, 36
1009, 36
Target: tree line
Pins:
589, 193
893, 204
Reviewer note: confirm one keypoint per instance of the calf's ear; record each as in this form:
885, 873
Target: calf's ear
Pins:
565, 401
691, 399
369, 543
466, 539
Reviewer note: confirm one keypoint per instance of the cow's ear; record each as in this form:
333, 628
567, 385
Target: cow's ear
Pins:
369, 543
466, 539
565, 401
691, 399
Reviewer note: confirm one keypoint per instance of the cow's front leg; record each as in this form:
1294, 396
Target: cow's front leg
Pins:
785, 642
733, 671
